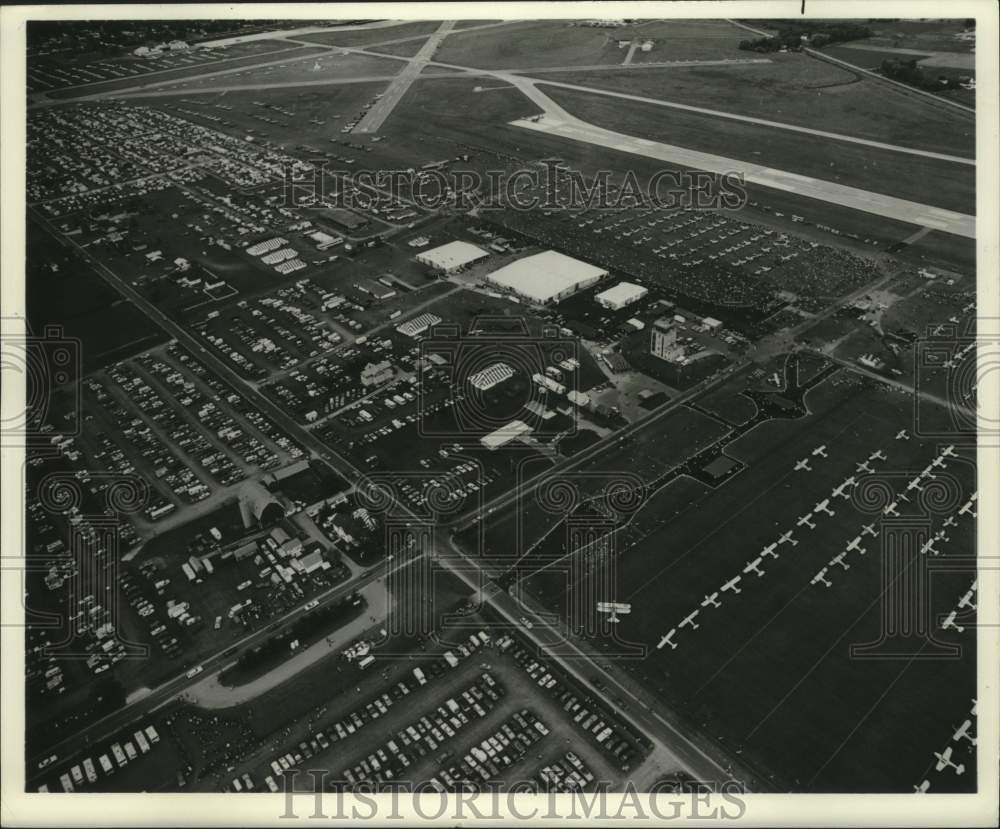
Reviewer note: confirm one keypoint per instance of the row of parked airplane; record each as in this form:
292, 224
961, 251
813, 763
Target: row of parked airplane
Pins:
964, 603
944, 758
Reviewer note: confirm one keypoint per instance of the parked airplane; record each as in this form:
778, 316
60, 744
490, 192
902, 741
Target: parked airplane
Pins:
731, 585
967, 508
974, 709
914, 484
869, 529
769, 551
803, 464
804, 521
787, 537
948, 451
839, 559
902, 434
891, 510
754, 567
949, 622
821, 577
941, 535
668, 640
824, 506
939, 462
820, 451
966, 600
711, 600
877, 455
840, 491
944, 762
864, 467
950, 521
962, 733
689, 621
923, 788
855, 544
928, 547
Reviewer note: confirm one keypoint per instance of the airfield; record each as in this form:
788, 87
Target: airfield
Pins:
747, 516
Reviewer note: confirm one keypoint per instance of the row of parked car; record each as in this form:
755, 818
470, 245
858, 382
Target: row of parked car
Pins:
484, 761
86, 771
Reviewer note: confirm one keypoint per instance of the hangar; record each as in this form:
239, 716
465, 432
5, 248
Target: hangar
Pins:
546, 277
451, 257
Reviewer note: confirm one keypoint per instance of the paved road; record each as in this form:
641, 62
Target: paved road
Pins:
375, 117
557, 121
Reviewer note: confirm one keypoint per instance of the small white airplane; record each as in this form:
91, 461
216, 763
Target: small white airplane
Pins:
668, 640
950, 521
864, 467
975, 706
878, 455
948, 451
754, 567
855, 544
769, 550
840, 491
711, 600
824, 506
904, 497
839, 559
803, 464
820, 451
891, 510
869, 529
939, 462
923, 788
962, 733
926, 473
914, 485
820, 577
731, 585
941, 535
805, 522
949, 622
967, 508
944, 762
966, 600
928, 547
689, 620
902, 434
787, 538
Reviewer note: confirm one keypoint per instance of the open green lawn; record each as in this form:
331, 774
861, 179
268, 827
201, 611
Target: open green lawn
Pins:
928, 181
381, 34
799, 90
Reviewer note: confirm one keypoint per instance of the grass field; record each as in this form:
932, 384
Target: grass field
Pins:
292, 51
331, 106
405, 48
938, 183
783, 642
325, 66
935, 35
799, 90
367, 37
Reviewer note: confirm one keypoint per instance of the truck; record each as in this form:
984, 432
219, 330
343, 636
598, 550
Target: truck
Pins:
119, 755
106, 765
89, 770
141, 741
130, 751
154, 738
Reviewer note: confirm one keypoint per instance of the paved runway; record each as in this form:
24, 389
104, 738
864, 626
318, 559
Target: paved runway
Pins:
383, 108
557, 121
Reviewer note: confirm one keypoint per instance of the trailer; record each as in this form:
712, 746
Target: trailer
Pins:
89, 770
154, 738
105, 762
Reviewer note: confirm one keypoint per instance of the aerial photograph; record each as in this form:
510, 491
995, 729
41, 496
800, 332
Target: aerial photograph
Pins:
550, 405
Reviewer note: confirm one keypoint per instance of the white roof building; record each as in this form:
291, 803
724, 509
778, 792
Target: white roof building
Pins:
451, 257
546, 277
416, 326
505, 434
491, 376
621, 295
